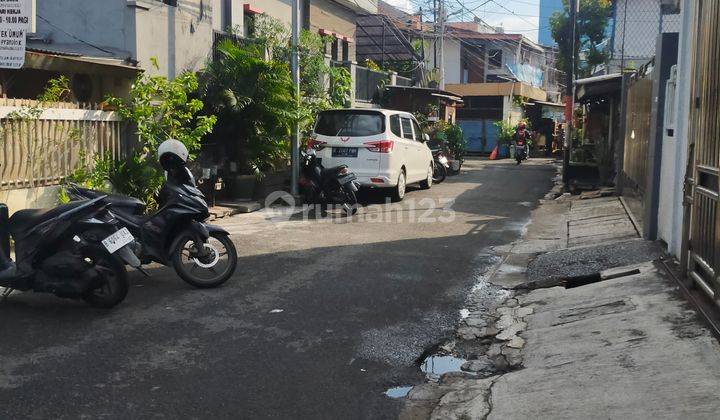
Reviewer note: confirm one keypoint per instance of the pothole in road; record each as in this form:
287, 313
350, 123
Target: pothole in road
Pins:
436, 365
398, 391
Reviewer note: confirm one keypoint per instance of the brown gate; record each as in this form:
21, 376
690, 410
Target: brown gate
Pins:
704, 133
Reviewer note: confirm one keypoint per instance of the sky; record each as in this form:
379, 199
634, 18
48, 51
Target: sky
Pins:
517, 16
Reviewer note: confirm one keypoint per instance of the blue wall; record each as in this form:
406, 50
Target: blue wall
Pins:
547, 8
475, 131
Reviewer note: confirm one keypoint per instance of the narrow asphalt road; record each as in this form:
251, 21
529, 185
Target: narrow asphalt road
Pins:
361, 300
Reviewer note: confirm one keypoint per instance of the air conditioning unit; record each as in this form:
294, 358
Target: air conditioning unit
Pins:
670, 7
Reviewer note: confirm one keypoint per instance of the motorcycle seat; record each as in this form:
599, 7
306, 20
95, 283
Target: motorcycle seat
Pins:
22, 220
121, 202
333, 171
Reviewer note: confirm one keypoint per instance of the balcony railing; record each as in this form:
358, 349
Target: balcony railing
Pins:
368, 83
403, 81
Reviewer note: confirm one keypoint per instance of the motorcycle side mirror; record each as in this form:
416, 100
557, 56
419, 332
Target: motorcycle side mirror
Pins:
426, 138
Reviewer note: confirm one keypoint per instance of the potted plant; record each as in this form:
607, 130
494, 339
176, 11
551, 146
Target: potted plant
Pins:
506, 132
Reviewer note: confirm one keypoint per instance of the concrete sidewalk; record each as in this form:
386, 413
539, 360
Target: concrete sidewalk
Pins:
622, 344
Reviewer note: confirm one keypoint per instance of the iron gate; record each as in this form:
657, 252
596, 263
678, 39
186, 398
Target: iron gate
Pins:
703, 192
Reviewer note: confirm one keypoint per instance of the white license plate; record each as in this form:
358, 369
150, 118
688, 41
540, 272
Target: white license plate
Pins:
117, 240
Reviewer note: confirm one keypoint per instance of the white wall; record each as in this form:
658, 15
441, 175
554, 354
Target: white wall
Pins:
453, 71
108, 24
180, 38
675, 151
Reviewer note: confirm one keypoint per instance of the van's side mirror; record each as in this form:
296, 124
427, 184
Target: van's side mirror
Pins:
426, 138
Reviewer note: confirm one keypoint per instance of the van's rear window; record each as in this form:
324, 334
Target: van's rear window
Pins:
350, 123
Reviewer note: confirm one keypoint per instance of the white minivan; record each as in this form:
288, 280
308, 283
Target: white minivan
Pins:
384, 148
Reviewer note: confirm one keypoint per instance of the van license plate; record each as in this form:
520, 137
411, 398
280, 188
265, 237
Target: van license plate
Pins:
344, 152
117, 240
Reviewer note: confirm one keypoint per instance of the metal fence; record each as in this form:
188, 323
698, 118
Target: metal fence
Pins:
40, 146
704, 230
634, 30
368, 83
637, 129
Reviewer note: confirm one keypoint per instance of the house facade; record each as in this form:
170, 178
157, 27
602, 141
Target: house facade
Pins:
497, 75
167, 37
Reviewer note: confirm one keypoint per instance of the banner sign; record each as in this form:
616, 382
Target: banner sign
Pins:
15, 20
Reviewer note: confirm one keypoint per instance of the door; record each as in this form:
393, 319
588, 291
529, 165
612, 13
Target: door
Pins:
703, 254
481, 134
410, 149
422, 157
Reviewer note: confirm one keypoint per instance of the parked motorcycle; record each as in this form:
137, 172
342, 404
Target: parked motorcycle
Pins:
520, 151
76, 250
327, 186
203, 255
441, 165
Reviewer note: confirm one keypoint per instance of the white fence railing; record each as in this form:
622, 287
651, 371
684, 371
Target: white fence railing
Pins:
41, 144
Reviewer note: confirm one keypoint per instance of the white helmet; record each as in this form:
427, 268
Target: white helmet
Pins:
175, 147
172, 154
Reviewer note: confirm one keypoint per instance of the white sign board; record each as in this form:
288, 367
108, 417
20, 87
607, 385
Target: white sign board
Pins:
14, 23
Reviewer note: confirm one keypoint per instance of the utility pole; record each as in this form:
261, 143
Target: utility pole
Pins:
295, 70
441, 16
570, 91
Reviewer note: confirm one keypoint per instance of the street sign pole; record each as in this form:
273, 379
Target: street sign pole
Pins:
295, 70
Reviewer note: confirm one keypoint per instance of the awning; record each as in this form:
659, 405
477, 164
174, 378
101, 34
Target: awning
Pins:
66, 63
427, 91
550, 104
592, 87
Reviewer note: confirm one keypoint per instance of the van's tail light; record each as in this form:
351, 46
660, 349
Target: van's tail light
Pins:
382, 146
316, 144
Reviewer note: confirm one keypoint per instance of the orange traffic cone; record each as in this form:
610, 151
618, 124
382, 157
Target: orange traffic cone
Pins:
494, 153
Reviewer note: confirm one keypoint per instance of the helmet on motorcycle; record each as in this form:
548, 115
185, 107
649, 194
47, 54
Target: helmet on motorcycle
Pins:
521, 126
172, 154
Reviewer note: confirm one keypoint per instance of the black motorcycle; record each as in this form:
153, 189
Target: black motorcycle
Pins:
203, 255
327, 186
520, 151
76, 250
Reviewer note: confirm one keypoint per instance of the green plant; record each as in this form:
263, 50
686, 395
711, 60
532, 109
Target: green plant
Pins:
160, 109
456, 141
506, 132
251, 93
592, 20
166, 109
254, 102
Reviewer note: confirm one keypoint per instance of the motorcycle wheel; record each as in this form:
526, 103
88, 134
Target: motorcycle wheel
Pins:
207, 272
439, 173
112, 286
350, 206
451, 171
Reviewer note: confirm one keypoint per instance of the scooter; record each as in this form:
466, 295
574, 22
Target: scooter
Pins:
76, 250
327, 186
441, 165
203, 255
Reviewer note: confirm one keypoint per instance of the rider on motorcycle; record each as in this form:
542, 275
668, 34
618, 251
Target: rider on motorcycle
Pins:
522, 134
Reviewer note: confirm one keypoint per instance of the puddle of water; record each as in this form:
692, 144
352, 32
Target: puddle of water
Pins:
434, 366
398, 391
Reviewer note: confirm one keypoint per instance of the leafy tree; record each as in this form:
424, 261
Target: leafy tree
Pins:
249, 87
160, 109
253, 100
163, 109
592, 20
